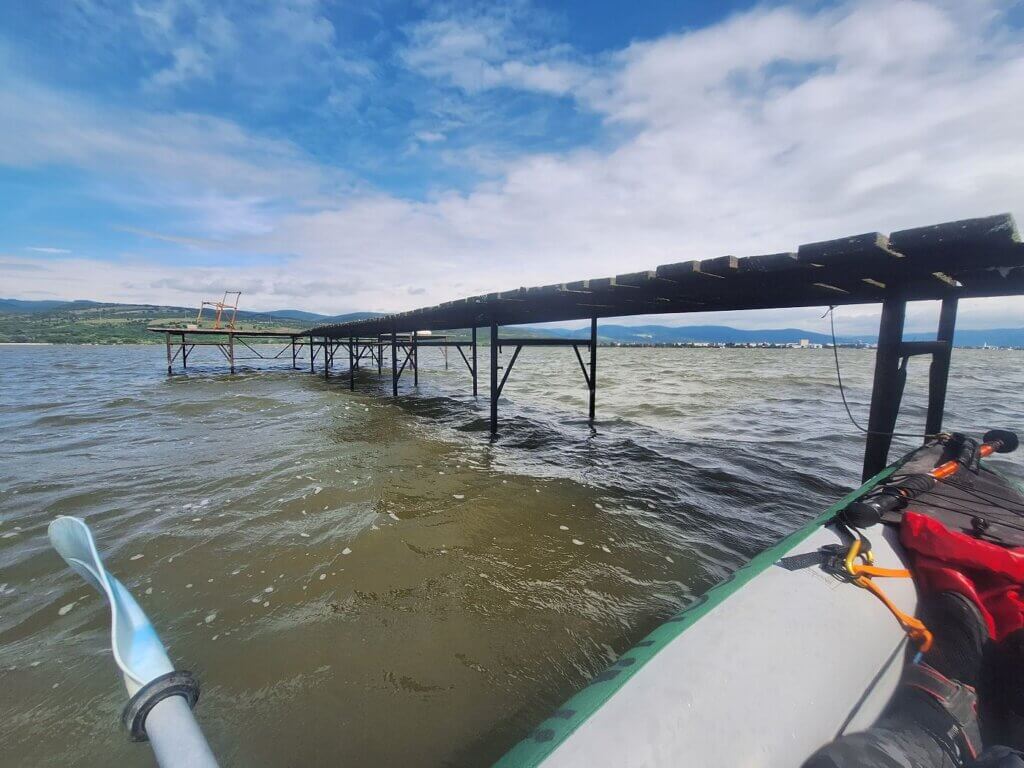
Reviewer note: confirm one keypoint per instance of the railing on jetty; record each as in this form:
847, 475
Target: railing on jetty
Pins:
181, 341
945, 262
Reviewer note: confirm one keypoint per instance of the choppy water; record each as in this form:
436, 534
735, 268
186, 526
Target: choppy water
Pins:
365, 581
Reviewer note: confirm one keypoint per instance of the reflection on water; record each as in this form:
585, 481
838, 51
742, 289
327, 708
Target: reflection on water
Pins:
368, 580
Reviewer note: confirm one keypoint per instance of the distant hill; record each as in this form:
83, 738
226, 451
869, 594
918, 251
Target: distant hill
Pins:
18, 306
21, 307
707, 334
93, 322
967, 337
723, 334
346, 318
98, 322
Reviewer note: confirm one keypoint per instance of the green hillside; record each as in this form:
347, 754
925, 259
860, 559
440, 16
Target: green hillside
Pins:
88, 323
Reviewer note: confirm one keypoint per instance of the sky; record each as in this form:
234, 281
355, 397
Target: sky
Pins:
379, 155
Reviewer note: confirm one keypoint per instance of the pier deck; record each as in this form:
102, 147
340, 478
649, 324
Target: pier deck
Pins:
181, 341
946, 262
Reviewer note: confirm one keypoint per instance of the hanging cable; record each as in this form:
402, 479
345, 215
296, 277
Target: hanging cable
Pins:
842, 391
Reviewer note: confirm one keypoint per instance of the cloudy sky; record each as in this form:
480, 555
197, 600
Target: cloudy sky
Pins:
380, 155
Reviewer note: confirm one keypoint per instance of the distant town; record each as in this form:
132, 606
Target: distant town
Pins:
801, 344
90, 322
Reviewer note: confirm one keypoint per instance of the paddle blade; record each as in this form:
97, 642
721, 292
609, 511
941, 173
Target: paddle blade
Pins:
136, 646
1008, 440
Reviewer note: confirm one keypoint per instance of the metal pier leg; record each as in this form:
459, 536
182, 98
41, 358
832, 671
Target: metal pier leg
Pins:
415, 361
351, 367
328, 357
887, 389
231, 351
494, 378
168, 337
295, 367
184, 354
474, 361
593, 366
938, 373
312, 368
380, 355
394, 364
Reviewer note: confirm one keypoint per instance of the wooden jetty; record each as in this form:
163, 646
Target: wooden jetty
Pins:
945, 262
181, 341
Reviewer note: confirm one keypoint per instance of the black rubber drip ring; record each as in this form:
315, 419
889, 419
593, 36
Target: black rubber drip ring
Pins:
177, 683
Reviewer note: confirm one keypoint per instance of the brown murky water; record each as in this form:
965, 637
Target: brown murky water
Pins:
364, 581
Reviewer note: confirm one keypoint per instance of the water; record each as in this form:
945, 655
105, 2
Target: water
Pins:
367, 581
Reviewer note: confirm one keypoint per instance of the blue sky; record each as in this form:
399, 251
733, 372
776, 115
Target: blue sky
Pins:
383, 155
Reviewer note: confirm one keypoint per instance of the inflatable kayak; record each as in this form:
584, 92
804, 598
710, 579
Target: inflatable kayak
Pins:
778, 660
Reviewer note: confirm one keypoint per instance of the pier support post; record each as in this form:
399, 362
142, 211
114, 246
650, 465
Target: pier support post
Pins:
592, 381
169, 358
415, 361
312, 368
351, 366
184, 354
328, 354
394, 364
380, 355
295, 366
474, 361
231, 351
938, 372
494, 378
887, 388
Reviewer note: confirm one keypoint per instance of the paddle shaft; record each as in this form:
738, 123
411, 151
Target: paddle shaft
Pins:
953, 466
869, 511
175, 736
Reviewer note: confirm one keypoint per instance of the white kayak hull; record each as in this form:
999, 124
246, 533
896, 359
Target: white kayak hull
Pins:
759, 673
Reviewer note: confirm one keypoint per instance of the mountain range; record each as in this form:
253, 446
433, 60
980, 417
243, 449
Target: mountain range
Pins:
23, 307
723, 334
59, 321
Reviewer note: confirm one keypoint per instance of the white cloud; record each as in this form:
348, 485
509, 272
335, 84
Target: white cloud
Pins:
477, 51
46, 249
430, 137
189, 62
222, 179
775, 127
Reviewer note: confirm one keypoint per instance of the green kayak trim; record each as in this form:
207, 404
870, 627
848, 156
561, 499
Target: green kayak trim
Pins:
551, 733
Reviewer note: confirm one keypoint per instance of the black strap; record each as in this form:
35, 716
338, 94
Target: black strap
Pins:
958, 700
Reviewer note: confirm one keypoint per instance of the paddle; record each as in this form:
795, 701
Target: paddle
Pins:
161, 699
862, 514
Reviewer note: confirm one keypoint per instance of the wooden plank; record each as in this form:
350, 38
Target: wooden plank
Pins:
683, 270
577, 286
857, 251
769, 262
993, 281
991, 237
635, 279
543, 290
723, 266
